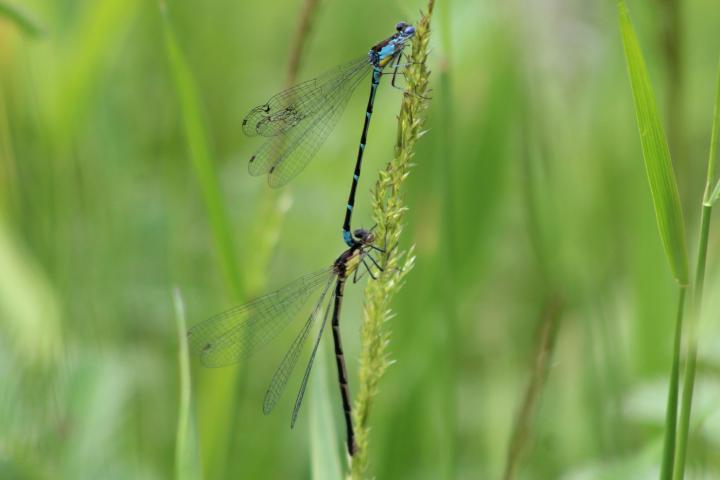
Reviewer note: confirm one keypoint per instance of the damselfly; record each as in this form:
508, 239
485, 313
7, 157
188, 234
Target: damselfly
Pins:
237, 333
299, 119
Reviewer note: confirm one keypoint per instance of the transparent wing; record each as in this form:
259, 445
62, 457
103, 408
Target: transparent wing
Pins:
306, 376
282, 157
235, 334
282, 374
288, 108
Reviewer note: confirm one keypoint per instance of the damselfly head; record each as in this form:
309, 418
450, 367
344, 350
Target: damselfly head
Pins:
366, 237
405, 29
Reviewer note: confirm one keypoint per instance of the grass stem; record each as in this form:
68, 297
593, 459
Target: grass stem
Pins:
186, 465
691, 359
668, 457
388, 213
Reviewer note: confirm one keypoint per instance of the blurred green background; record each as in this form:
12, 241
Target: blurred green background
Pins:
529, 208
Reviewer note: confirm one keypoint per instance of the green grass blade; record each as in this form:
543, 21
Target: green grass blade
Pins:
656, 154
202, 159
325, 462
186, 454
21, 18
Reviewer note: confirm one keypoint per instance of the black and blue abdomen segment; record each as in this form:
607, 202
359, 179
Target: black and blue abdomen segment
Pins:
347, 234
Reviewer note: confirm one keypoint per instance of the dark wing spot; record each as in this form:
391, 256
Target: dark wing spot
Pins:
272, 169
207, 347
252, 159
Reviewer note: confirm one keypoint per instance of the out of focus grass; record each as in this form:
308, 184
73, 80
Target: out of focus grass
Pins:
101, 214
14, 13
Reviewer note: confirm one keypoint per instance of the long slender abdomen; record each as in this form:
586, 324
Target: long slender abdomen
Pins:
347, 233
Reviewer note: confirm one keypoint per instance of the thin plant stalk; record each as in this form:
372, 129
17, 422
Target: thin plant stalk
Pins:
668, 458
550, 317
691, 356
388, 213
186, 460
668, 211
184, 364
302, 33
537, 195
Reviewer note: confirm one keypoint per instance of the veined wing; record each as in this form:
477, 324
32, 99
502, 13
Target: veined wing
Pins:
235, 334
289, 108
282, 374
282, 157
311, 361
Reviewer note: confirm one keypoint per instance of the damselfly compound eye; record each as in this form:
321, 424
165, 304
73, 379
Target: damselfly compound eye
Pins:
360, 233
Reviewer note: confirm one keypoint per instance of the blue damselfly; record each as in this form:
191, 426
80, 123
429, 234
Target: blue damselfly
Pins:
298, 120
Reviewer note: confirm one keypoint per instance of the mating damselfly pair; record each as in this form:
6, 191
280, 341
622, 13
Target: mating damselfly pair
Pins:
296, 123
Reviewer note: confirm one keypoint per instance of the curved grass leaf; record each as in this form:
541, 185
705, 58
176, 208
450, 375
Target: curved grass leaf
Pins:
656, 153
201, 156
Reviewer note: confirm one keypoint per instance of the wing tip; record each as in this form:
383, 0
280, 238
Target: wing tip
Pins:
268, 405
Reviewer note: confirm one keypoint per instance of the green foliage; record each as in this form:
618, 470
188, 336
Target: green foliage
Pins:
120, 129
